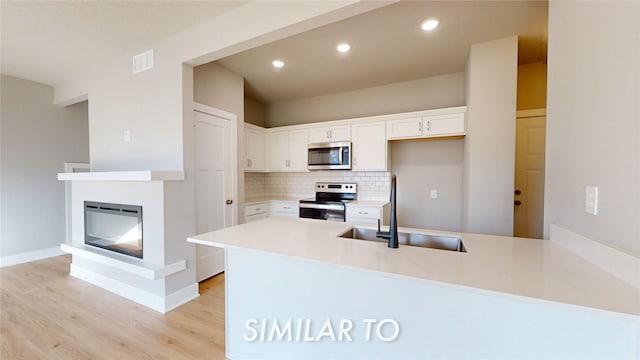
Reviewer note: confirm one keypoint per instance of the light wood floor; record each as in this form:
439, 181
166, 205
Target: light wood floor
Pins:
46, 314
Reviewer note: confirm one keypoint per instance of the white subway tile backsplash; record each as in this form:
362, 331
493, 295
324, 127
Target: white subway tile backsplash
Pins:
254, 185
371, 185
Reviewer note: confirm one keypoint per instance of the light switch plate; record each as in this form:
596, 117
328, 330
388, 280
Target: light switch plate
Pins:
434, 193
591, 200
126, 136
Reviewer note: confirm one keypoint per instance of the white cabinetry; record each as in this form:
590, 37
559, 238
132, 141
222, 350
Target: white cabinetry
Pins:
368, 213
255, 148
444, 125
256, 211
284, 208
287, 150
369, 147
427, 126
329, 133
404, 128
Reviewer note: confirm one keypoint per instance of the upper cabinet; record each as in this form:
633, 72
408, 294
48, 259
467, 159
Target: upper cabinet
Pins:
404, 128
329, 134
369, 147
287, 150
286, 147
255, 148
444, 125
428, 126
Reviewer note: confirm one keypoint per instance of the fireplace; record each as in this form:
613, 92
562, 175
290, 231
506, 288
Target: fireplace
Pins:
115, 227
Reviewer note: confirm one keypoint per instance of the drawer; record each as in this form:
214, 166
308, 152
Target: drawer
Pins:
284, 208
367, 212
259, 208
258, 216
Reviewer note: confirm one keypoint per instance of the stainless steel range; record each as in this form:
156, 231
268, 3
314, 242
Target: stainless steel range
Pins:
329, 203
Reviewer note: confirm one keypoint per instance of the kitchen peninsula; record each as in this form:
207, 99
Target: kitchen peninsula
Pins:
295, 289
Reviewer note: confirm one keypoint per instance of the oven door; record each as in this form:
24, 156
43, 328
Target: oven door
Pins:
322, 212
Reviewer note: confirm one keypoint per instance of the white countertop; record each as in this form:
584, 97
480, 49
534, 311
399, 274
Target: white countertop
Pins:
256, 200
373, 203
143, 175
524, 267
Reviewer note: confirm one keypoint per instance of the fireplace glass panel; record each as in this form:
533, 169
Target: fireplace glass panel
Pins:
115, 227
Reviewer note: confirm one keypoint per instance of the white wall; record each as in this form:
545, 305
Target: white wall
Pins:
420, 167
149, 104
422, 94
593, 120
216, 86
489, 150
37, 139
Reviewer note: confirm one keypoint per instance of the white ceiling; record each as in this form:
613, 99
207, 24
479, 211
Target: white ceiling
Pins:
50, 41
387, 47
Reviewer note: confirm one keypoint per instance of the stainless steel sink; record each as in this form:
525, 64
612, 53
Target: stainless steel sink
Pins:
441, 242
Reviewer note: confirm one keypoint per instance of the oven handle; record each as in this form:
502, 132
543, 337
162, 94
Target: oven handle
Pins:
321, 206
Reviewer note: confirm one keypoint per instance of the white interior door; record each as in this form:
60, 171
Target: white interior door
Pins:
214, 182
528, 210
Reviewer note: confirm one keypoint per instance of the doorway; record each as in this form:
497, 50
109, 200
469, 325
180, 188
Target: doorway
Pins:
528, 208
215, 135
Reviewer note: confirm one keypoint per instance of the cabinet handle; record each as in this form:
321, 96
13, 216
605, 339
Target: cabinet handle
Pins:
286, 207
363, 213
258, 209
429, 125
420, 127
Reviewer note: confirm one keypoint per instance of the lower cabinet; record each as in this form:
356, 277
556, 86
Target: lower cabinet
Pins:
256, 211
284, 208
368, 213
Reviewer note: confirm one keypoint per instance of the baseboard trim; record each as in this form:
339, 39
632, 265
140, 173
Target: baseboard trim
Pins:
158, 303
181, 296
30, 256
625, 267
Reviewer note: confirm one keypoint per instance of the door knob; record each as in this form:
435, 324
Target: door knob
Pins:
517, 192
229, 202
517, 203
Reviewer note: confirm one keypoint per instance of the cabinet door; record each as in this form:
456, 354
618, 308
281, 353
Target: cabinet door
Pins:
298, 150
369, 147
444, 125
404, 128
340, 133
318, 135
328, 134
255, 147
278, 150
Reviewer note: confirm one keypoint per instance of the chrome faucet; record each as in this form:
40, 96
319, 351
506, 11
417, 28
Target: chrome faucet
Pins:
392, 234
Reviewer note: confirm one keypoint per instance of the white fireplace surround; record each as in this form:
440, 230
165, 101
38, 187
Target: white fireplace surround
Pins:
165, 277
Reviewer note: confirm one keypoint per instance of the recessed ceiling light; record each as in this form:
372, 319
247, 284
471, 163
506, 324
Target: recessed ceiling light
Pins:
429, 24
277, 63
344, 47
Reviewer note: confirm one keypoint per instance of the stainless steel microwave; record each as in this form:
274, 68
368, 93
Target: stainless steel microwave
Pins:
329, 156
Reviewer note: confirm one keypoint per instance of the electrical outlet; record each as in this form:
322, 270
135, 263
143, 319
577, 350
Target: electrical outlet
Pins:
591, 200
126, 136
434, 193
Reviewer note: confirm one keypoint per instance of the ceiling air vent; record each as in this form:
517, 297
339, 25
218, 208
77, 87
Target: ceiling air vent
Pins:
143, 61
